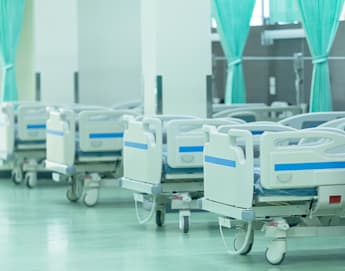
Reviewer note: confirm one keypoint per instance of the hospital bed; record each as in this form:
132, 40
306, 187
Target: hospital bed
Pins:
291, 182
261, 113
132, 105
311, 120
22, 141
163, 164
216, 108
85, 145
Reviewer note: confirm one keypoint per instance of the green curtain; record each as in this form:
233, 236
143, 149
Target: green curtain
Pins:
11, 19
320, 19
233, 23
285, 11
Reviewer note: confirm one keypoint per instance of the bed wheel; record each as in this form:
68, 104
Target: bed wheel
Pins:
30, 179
72, 195
75, 191
240, 238
90, 198
160, 218
184, 223
17, 176
276, 252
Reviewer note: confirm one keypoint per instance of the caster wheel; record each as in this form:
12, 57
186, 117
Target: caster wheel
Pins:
30, 179
160, 217
240, 238
72, 196
275, 254
17, 176
90, 198
185, 224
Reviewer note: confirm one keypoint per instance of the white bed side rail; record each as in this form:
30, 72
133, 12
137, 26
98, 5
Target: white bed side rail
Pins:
31, 123
302, 159
61, 137
7, 129
142, 149
228, 168
311, 120
262, 113
337, 123
186, 139
102, 130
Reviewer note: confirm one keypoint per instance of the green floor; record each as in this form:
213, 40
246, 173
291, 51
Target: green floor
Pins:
40, 230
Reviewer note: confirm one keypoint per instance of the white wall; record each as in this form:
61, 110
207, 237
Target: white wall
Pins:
56, 48
109, 51
177, 45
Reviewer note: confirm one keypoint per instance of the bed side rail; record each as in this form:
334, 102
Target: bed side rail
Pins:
142, 149
228, 168
31, 123
61, 136
302, 159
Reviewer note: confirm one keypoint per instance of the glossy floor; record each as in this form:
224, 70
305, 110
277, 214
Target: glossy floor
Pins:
40, 230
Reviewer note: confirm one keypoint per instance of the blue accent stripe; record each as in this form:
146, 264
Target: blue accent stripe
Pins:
191, 149
258, 132
105, 135
136, 145
220, 161
35, 126
55, 132
309, 166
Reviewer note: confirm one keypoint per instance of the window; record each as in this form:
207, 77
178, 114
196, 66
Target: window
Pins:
342, 16
260, 12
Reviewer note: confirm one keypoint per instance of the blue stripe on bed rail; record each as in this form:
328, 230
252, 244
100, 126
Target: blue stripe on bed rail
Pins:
309, 166
136, 145
220, 161
191, 149
258, 132
55, 132
35, 126
105, 135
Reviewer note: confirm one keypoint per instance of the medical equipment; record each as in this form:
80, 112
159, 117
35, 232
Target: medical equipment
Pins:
163, 164
294, 184
85, 146
261, 113
311, 120
22, 141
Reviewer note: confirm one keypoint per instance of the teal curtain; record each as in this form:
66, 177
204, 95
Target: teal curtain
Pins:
233, 23
11, 19
320, 19
285, 11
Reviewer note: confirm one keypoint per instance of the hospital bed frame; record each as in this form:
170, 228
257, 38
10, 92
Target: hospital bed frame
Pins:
177, 177
261, 113
311, 161
85, 146
311, 120
22, 144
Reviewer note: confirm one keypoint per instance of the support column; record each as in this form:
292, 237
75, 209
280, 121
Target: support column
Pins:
176, 56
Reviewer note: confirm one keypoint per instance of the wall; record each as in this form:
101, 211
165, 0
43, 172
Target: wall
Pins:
109, 51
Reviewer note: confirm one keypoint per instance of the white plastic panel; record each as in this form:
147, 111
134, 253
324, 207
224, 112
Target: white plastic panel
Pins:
228, 170
7, 129
142, 150
61, 137
317, 160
